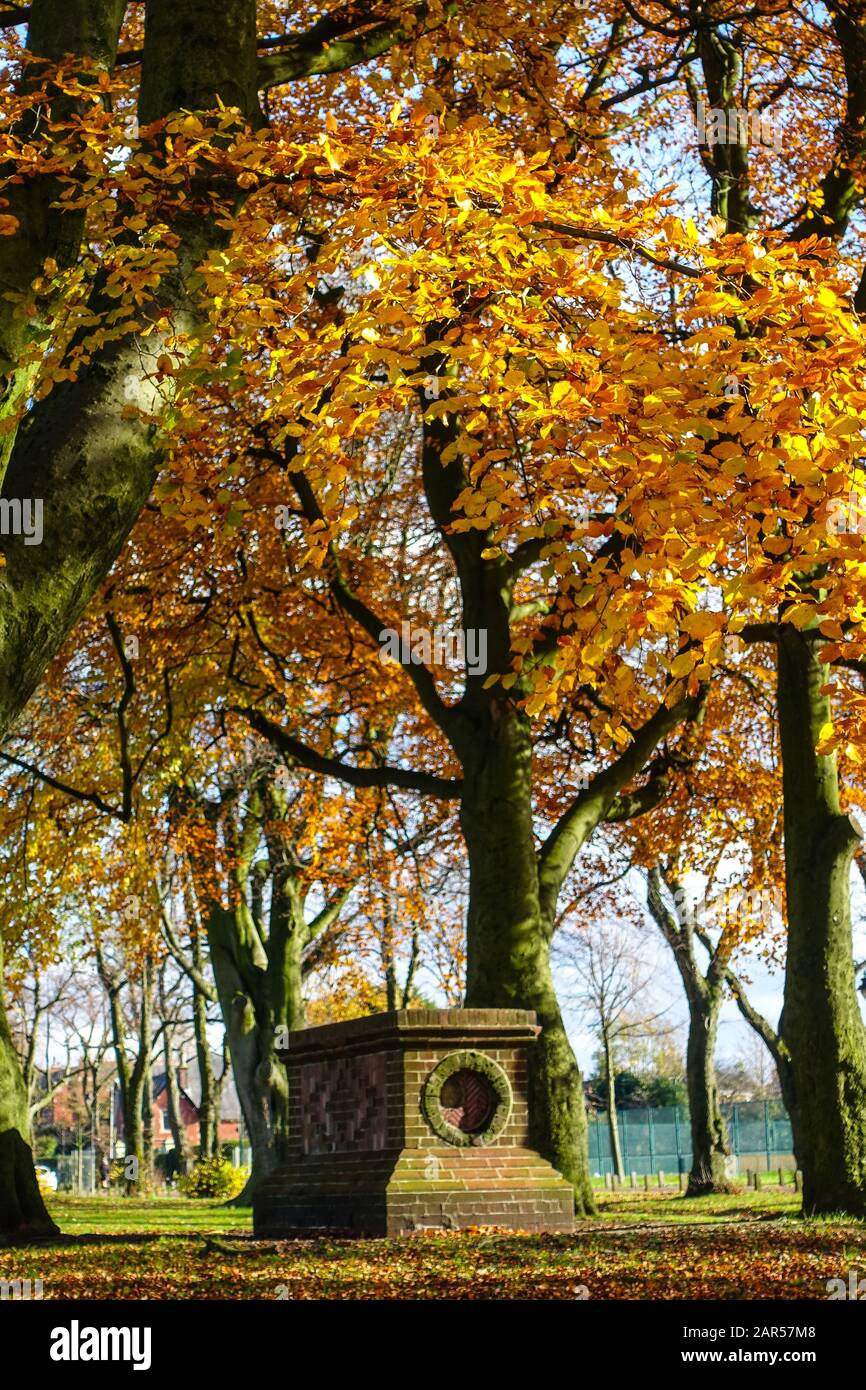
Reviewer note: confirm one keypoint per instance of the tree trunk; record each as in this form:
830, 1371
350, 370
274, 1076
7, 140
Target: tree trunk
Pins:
773, 1040
141, 1084
208, 1114
703, 993
22, 1211
219, 1083
710, 1147
147, 1102
131, 1101
130, 1080
823, 1030
78, 446
113, 987
175, 1117
610, 1082
57, 29
787, 1084
241, 973
508, 941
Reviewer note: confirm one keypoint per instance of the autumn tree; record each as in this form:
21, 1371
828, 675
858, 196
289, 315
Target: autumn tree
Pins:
93, 444
488, 367
713, 862
705, 993
484, 752
617, 573
748, 85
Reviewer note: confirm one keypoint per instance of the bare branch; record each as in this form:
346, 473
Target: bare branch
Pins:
429, 784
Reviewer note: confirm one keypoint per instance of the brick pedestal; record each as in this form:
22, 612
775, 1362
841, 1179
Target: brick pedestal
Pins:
412, 1120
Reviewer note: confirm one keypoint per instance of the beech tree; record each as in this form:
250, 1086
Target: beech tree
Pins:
734, 77
86, 432
705, 992
134, 1065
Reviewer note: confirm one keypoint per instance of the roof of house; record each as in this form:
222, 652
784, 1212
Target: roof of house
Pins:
230, 1105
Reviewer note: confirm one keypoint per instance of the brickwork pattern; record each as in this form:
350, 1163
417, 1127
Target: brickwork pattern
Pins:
343, 1108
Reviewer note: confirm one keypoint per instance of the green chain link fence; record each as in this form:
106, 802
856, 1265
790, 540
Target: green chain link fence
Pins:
654, 1139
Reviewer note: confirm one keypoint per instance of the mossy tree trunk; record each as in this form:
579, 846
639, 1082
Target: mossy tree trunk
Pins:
704, 995
23, 1215
710, 1144
514, 889
508, 941
240, 967
514, 886
822, 1061
58, 28
258, 965
821, 1024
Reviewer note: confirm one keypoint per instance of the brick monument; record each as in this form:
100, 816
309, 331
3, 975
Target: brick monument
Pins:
412, 1120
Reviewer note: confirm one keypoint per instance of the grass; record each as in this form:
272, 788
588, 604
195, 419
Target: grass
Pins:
673, 1207
767, 1179
157, 1216
643, 1245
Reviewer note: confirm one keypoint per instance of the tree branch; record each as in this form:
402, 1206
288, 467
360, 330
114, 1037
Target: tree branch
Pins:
449, 789
679, 935
189, 968
312, 54
91, 798
351, 604
126, 697
630, 805
841, 186
13, 15
593, 804
328, 915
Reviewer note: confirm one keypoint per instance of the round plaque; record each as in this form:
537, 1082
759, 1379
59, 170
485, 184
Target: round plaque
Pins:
467, 1099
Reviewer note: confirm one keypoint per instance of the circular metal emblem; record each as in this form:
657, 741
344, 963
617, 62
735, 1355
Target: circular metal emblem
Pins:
467, 1099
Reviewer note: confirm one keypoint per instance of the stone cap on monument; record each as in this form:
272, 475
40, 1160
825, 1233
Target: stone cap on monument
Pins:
413, 1028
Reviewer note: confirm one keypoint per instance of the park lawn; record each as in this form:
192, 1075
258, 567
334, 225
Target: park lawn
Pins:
642, 1246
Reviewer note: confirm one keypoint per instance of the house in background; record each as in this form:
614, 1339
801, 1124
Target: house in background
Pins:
67, 1115
64, 1109
189, 1086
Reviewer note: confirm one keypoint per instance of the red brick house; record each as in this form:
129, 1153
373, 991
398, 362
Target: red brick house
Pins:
229, 1124
190, 1096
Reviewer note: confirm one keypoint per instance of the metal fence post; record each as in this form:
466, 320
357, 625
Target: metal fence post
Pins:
767, 1131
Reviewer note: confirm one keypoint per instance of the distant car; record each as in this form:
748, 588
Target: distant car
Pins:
47, 1176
